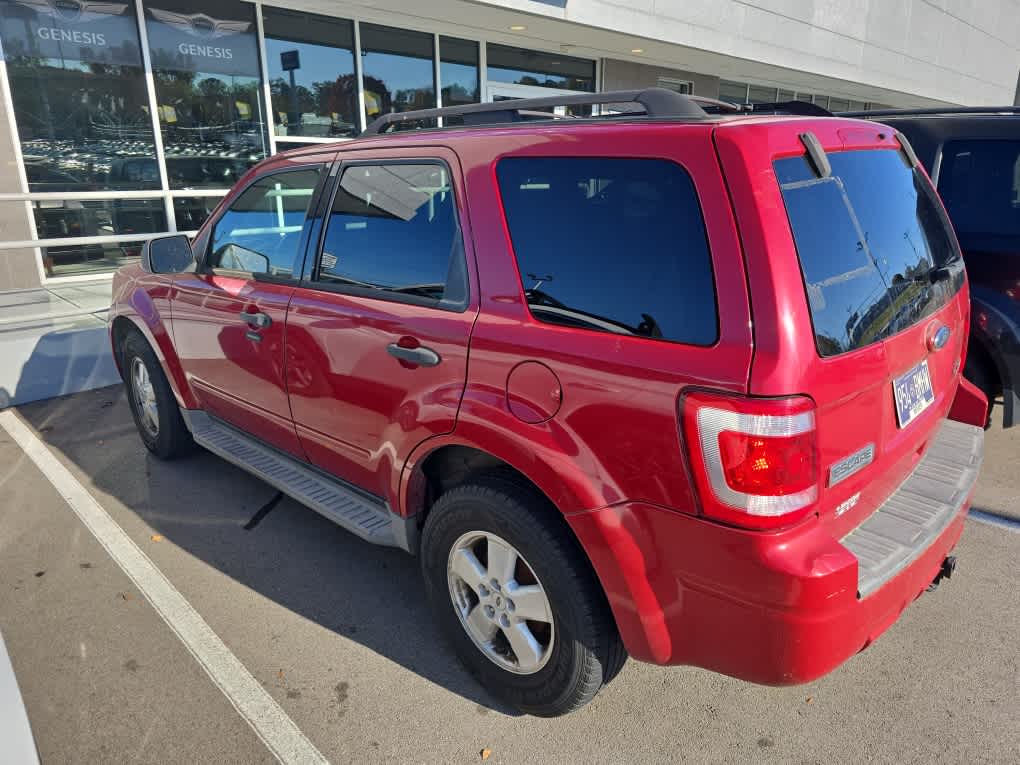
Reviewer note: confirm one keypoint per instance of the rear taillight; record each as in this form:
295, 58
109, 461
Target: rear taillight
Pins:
754, 460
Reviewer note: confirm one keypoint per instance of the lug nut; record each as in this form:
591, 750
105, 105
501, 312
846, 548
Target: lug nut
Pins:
490, 612
509, 605
495, 584
483, 591
504, 620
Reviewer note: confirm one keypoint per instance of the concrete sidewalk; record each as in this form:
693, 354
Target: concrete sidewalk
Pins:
53, 341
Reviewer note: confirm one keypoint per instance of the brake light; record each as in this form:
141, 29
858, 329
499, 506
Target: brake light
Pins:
755, 461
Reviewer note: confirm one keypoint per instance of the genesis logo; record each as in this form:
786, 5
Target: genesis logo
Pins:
74, 10
200, 25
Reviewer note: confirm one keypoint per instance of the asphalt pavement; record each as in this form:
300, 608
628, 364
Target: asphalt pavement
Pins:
338, 639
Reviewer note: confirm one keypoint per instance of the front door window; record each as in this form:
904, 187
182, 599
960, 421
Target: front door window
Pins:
260, 233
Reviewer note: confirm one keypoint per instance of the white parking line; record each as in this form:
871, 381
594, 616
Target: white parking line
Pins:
270, 723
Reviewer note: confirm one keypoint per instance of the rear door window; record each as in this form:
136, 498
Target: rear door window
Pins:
393, 234
868, 238
611, 245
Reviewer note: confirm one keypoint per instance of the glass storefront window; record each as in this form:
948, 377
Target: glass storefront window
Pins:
760, 94
458, 71
89, 259
310, 60
58, 219
733, 92
191, 212
546, 70
397, 67
205, 64
79, 94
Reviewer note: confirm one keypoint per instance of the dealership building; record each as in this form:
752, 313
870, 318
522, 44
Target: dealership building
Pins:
124, 119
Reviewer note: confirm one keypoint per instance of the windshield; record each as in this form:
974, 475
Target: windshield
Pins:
870, 238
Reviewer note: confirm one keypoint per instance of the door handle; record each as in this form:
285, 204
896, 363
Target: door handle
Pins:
256, 319
420, 356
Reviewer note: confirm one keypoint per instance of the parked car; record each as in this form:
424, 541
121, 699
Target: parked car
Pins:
973, 156
673, 385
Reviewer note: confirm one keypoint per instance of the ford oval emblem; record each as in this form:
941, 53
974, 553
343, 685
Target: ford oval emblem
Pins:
937, 341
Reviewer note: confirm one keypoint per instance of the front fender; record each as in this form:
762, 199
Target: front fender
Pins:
145, 302
995, 325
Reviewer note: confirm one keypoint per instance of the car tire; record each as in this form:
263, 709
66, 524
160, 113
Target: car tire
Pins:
573, 654
153, 406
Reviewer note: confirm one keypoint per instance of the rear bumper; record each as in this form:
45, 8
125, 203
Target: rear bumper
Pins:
773, 608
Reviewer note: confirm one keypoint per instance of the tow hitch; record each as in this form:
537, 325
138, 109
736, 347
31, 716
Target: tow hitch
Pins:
945, 572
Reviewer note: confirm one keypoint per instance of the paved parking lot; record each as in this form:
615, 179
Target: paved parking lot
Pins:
337, 633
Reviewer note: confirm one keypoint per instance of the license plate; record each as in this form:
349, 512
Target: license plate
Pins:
913, 393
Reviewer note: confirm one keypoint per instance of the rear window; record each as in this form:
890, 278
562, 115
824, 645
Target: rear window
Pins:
868, 237
611, 245
980, 183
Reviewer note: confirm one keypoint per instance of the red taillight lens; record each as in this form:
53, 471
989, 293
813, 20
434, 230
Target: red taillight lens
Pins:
768, 465
754, 461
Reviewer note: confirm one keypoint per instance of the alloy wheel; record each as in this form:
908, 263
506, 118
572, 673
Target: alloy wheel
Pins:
145, 396
501, 604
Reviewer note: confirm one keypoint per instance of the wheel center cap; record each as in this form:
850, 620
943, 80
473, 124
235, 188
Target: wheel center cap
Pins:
499, 601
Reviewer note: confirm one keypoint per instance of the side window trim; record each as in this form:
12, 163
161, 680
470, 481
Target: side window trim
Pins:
310, 273
317, 193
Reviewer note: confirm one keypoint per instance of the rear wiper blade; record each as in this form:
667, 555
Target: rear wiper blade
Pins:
937, 274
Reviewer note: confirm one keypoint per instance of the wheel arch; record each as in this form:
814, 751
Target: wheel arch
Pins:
155, 334
995, 334
454, 463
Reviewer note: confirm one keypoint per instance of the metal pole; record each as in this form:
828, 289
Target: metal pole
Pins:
267, 95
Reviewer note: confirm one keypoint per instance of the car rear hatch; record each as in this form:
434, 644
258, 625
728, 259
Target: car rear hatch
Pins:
858, 294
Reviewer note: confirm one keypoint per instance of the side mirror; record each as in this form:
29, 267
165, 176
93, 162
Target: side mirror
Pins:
167, 255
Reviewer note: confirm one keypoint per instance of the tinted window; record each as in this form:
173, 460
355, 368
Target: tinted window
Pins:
310, 60
79, 96
458, 70
261, 231
615, 245
532, 67
980, 183
206, 69
393, 229
191, 212
397, 65
867, 238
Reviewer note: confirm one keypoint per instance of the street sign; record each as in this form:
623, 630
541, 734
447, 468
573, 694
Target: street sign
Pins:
289, 60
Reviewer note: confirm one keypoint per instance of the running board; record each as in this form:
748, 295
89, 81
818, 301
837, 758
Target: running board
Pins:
370, 519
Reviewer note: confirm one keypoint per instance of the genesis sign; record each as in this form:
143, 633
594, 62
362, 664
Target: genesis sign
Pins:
70, 30
200, 43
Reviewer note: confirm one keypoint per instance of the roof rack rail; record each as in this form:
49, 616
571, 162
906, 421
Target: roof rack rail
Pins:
934, 110
657, 102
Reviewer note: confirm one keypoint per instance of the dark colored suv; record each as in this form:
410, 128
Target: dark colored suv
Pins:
973, 156
668, 384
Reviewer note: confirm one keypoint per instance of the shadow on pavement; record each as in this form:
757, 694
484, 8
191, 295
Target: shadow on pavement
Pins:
293, 556
54, 359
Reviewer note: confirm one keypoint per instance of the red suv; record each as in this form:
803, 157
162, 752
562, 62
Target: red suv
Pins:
666, 383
